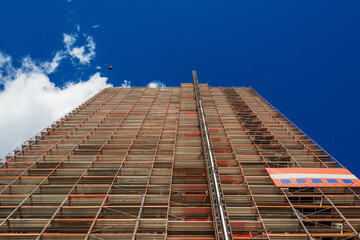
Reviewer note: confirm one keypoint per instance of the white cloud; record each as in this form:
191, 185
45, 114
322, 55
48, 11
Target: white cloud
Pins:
96, 26
69, 40
83, 53
98, 67
4, 59
30, 101
126, 84
50, 67
5, 65
156, 84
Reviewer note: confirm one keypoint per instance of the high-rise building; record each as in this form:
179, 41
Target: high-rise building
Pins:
193, 162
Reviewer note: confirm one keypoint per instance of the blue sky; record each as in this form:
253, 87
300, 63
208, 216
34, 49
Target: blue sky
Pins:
302, 56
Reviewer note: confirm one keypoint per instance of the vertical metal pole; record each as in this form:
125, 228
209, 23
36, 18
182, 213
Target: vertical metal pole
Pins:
217, 195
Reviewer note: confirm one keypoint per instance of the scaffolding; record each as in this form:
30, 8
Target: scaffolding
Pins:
171, 163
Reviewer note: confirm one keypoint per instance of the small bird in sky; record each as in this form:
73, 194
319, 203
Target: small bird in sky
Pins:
110, 67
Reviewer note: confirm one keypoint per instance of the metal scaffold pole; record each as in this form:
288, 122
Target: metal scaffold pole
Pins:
220, 217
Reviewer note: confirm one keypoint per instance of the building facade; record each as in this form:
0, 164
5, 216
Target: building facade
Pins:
193, 162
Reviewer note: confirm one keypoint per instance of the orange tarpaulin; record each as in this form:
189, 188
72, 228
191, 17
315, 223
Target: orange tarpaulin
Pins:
313, 177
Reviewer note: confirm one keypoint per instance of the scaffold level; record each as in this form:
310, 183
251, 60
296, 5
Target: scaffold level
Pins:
183, 163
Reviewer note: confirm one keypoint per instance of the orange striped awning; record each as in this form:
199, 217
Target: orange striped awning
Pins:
313, 177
